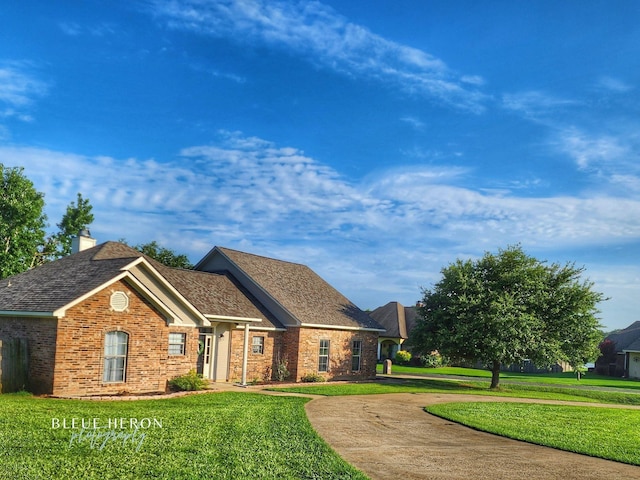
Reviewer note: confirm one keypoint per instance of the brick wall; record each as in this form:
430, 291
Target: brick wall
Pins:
41, 339
307, 341
260, 367
79, 362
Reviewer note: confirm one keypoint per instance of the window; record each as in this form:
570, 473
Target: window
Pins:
177, 342
323, 356
257, 345
115, 356
356, 354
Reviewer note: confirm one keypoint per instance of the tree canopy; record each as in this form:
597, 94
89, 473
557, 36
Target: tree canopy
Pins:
507, 308
22, 221
164, 255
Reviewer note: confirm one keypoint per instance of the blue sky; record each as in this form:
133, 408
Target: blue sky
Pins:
375, 141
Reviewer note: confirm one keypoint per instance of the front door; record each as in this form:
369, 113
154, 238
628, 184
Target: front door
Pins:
213, 358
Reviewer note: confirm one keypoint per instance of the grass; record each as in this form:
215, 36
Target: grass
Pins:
546, 392
219, 435
566, 378
608, 433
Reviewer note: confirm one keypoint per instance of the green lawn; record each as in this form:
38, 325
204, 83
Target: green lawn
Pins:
218, 435
608, 433
568, 378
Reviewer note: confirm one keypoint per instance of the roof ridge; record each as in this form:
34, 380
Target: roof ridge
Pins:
263, 256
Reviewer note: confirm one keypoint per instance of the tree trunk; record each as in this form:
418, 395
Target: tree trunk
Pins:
495, 374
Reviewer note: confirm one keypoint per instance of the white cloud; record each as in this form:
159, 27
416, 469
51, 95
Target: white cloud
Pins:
247, 192
593, 151
614, 85
18, 89
322, 35
535, 105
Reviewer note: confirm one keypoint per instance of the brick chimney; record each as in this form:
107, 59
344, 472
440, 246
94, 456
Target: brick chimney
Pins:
82, 241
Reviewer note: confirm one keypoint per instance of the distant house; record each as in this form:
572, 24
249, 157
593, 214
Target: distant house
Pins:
626, 362
109, 320
398, 322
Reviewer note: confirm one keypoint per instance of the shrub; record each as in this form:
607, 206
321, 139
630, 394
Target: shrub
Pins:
189, 382
312, 377
282, 372
403, 357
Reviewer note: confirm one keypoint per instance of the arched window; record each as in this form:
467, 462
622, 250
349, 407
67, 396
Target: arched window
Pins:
115, 356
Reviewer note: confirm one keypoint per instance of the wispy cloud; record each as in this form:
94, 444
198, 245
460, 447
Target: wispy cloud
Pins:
19, 87
535, 105
323, 36
614, 85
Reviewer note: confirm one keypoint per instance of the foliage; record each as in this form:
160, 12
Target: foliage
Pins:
164, 255
607, 351
77, 217
282, 371
509, 307
431, 360
189, 382
312, 378
202, 436
610, 433
22, 221
403, 357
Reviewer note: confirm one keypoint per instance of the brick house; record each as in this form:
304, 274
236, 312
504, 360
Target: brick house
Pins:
109, 320
398, 321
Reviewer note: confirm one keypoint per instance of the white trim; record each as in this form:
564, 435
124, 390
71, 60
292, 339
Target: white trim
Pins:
340, 327
20, 313
258, 328
230, 318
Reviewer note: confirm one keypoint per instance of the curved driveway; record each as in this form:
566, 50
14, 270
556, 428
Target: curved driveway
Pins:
391, 437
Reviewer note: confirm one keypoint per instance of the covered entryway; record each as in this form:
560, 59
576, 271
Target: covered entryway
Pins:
213, 352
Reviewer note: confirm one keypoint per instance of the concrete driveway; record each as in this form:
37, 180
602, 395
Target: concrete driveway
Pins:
391, 437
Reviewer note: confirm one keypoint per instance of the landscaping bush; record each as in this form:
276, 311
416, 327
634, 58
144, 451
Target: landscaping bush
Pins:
282, 372
403, 357
312, 377
189, 382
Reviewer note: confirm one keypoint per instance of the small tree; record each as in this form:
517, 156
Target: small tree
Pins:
506, 308
77, 217
164, 255
22, 221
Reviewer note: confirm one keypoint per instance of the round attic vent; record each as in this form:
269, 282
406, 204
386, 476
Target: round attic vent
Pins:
119, 301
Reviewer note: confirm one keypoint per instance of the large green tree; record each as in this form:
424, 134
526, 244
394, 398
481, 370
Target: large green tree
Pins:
77, 217
508, 307
22, 221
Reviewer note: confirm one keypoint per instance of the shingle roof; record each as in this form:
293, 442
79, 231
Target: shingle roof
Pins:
396, 318
301, 291
56, 284
627, 338
217, 294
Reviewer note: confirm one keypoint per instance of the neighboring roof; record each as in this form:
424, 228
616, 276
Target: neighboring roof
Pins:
396, 318
298, 289
628, 339
53, 285
218, 294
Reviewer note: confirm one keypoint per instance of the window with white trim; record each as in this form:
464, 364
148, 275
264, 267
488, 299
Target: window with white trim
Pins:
356, 355
257, 345
177, 342
115, 356
323, 356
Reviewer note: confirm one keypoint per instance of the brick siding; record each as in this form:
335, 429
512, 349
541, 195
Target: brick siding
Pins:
302, 346
260, 367
79, 362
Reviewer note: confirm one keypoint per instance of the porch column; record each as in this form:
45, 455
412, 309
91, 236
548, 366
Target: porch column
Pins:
379, 348
245, 354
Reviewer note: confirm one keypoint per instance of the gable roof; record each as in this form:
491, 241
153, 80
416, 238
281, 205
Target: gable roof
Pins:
53, 286
298, 290
628, 338
396, 318
216, 294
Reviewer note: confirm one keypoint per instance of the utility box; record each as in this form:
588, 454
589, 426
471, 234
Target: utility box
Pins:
386, 367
